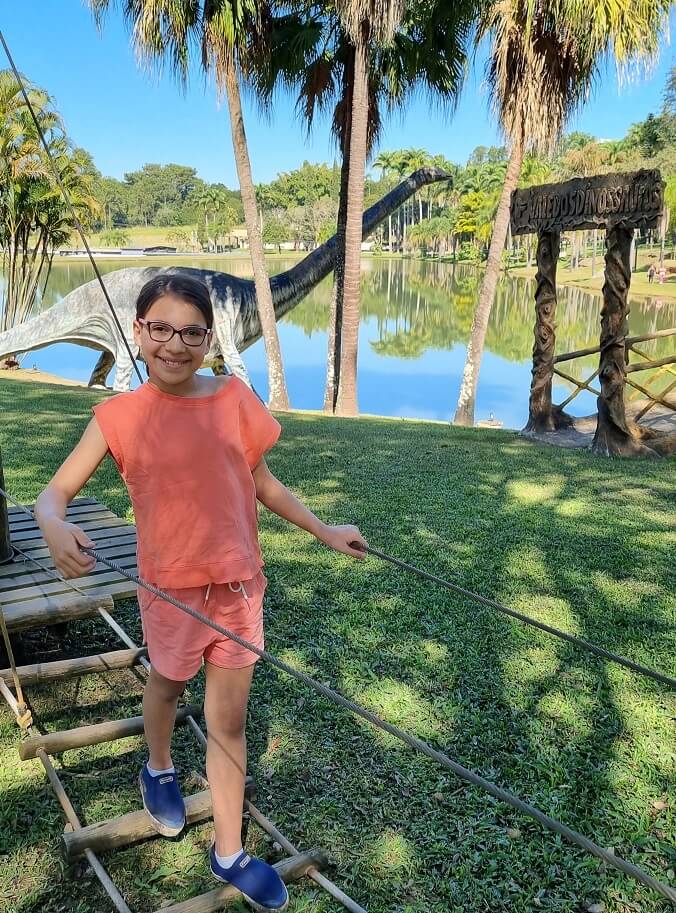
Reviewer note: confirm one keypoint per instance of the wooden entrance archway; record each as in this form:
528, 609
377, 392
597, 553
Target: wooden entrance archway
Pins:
620, 203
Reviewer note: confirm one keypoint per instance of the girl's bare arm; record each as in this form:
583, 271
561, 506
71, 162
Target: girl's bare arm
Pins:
63, 539
277, 498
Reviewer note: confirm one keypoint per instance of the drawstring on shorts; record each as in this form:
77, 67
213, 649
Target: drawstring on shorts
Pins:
237, 588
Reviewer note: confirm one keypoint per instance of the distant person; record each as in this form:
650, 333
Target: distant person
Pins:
662, 275
651, 272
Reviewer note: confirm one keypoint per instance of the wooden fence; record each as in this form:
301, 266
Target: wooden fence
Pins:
661, 367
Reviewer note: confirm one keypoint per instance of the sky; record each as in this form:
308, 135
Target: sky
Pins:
126, 117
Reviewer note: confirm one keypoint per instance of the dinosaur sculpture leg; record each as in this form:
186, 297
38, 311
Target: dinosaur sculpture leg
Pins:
102, 369
124, 371
225, 335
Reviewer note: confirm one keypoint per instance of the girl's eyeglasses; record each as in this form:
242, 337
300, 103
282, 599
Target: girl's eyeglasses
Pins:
163, 332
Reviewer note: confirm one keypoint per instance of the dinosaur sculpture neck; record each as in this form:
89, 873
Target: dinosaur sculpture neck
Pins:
290, 287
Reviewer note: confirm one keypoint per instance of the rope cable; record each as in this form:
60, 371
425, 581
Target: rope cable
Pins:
571, 638
417, 744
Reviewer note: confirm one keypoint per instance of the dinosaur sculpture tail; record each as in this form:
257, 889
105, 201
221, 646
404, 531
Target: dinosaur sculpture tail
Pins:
70, 320
26, 336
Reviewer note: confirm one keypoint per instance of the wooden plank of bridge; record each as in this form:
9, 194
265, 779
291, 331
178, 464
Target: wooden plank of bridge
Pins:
83, 736
28, 592
133, 827
122, 544
291, 869
62, 669
52, 610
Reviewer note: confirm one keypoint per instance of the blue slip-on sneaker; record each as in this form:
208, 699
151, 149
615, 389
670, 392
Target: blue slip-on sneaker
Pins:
258, 882
163, 802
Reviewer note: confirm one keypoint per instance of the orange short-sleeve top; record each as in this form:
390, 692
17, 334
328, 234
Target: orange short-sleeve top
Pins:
187, 463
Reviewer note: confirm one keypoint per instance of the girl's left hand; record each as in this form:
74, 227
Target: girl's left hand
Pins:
341, 537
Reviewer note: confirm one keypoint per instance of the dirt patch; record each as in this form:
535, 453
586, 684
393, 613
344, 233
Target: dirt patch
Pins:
40, 376
581, 434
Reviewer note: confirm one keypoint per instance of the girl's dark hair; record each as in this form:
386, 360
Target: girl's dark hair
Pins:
191, 290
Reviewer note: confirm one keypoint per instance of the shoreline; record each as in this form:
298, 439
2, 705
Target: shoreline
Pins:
580, 278
29, 375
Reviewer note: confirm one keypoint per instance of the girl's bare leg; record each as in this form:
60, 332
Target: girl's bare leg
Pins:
159, 713
227, 695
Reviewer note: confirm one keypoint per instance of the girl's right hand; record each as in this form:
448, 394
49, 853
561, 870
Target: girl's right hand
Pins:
63, 541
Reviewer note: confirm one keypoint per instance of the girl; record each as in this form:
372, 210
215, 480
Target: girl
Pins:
190, 449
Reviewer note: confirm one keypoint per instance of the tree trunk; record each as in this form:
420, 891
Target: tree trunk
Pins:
464, 413
346, 403
664, 225
541, 415
614, 434
279, 398
336, 318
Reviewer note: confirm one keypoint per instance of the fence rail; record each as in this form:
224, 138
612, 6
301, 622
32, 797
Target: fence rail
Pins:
661, 366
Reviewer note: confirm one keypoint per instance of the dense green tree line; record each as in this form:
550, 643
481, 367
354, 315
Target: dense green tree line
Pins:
163, 195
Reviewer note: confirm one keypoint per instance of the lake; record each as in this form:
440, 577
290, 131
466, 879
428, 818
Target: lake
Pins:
416, 319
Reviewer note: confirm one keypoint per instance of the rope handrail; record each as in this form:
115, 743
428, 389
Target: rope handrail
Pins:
447, 584
417, 744
527, 619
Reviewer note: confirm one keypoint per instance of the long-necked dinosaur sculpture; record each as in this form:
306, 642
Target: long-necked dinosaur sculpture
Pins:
83, 316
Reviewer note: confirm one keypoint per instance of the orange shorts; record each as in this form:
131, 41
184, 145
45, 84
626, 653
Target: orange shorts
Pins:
177, 642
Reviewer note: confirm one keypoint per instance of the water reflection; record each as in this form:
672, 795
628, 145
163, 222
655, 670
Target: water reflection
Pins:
416, 320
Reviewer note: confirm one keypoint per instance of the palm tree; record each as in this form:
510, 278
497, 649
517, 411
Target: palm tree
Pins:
543, 62
34, 218
386, 162
535, 170
226, 31
411, 160
583, 160
312, 53
364, 21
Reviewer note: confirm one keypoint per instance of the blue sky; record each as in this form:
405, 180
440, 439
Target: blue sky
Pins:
126, 117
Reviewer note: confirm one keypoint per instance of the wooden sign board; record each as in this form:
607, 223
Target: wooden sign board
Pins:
636, 198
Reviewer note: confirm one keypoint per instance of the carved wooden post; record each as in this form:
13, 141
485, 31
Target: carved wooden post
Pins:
614, 434
6, 550
540, 417
621, 202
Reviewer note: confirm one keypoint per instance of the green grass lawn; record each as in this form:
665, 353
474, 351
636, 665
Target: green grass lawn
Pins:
583, 543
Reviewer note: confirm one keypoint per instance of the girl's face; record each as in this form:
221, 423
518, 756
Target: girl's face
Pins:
172, 364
